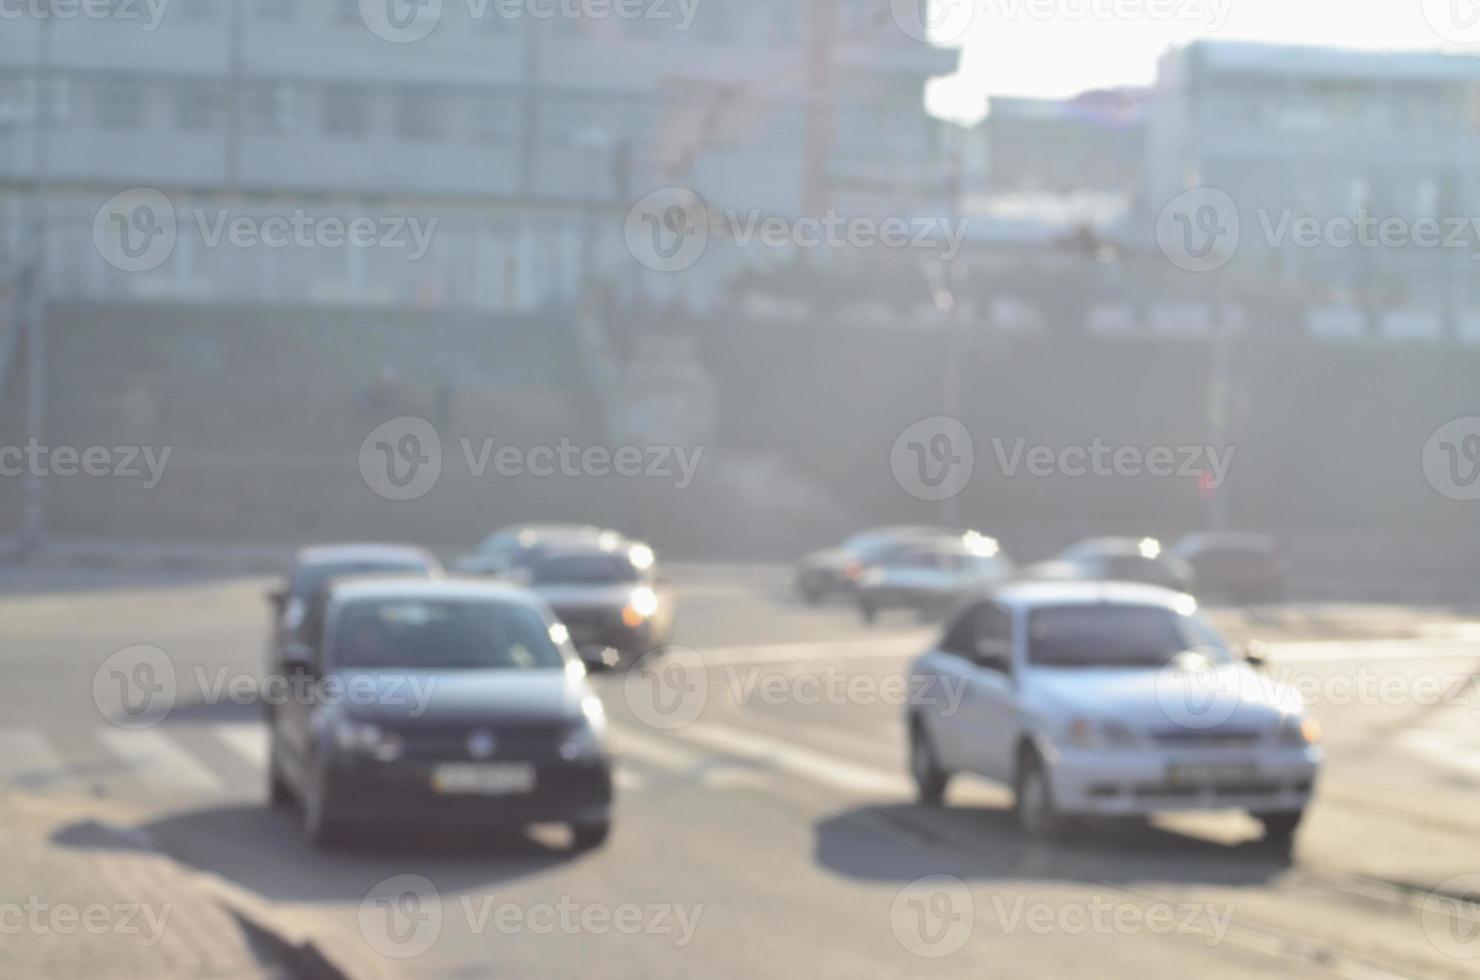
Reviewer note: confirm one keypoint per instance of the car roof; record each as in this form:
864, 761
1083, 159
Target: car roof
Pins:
411, 587
1034, 594
363, 552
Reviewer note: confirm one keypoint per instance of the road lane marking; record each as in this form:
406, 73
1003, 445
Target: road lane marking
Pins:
662, 753
27, 759
1318, 650
158, 760
627, 780
248, 740
1444, 748
799, 761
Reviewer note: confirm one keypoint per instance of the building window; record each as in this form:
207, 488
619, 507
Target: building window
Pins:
346, 112
418, 114
270, 107
197, 106
120, 104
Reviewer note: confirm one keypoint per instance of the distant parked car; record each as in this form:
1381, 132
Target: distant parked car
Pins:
314, 567
1117, 560
930, 576
607, 599
1240, 567
837, 570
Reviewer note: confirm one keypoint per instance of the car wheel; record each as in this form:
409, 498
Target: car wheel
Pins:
930, 779
320, 825
1037, 815
590, 835
1279, 828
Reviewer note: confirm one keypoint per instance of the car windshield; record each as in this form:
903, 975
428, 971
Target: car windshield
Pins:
309, 579
423, 634
1117, 636
594, 569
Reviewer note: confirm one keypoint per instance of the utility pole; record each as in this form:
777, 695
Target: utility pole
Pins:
822, 32
33, 513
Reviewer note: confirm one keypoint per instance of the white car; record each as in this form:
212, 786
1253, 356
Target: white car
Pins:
1095, 698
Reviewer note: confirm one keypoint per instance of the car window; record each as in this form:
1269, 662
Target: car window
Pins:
983, 627
1117, 636
424, 634
593, 569
309, 579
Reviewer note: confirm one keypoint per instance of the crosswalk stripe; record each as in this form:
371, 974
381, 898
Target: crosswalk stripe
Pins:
663, 753
797, 760
247, 740
28, 760
158, 760
1442, 748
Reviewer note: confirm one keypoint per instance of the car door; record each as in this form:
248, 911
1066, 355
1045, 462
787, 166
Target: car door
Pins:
942, 677
987, 718
296, 689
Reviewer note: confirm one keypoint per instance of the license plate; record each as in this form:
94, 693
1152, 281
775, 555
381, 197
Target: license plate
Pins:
492, 779
1211, 774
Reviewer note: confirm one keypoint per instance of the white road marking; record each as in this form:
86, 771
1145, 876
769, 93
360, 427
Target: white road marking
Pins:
663, 753
158, 761
1314, 650
799, 761
626, 779
27, 759
1444, 748
248, 740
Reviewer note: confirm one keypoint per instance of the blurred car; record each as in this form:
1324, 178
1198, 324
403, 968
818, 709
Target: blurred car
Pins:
314, 567
1240, 567
507, 548
1108, 699
834, 570
1118, 560
613, 599
471, 706
930, 576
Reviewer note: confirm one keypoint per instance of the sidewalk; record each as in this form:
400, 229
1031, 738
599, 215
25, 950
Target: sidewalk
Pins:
82, 899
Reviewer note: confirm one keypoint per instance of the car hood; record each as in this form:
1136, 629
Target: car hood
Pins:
1150, 699
454, 697
585, 596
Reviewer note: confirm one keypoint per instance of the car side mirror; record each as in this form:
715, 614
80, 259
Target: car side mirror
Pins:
298, 658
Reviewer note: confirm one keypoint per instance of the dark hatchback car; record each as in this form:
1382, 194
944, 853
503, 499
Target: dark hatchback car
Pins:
1234, 566
437, 702
1118, 560
314, 567
837, 570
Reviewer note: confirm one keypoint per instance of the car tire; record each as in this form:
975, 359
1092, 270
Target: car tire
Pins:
925, 769
1280, 827
1037, 815
588, 836
320, 825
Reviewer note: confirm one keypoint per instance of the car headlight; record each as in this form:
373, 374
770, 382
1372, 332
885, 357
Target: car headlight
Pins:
641, 604
587, 739
1299, 730
1085, 733
367, 738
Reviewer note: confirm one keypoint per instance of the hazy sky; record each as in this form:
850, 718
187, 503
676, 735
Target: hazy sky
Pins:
1060, 47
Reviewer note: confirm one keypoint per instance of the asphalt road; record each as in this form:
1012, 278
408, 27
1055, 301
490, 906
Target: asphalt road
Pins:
774, 833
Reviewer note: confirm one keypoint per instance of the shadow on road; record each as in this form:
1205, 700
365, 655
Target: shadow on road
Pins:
977, 842
262, 849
